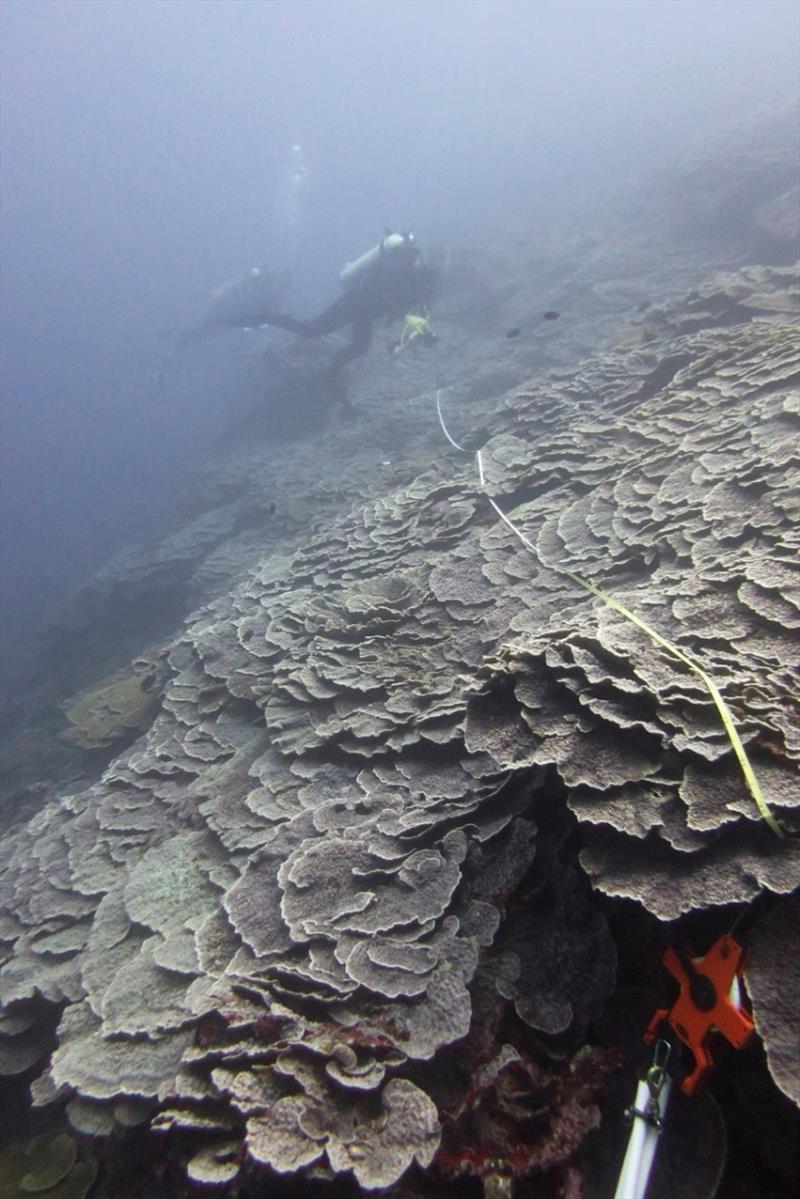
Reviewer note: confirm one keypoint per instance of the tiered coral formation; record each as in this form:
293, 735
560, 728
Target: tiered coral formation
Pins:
361, 827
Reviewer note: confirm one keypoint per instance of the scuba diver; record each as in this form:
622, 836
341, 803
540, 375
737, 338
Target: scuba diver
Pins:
256, 288
229, 304
259, 289
390, 281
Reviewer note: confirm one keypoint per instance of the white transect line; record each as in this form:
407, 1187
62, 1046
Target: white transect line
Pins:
482, 478
517, 532
454, 444
753, 785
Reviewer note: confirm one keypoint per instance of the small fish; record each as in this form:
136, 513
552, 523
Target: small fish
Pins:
513, 333
550, 315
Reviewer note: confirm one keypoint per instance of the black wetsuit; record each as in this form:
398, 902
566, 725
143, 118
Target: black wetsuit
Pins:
354, 308
392, 289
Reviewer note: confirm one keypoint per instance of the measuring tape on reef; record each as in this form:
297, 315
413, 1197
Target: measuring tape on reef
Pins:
753, 785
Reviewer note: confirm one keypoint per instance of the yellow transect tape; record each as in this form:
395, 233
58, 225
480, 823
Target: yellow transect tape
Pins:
753, 785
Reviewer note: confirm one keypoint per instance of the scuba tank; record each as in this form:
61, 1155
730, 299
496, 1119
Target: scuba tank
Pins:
355, 273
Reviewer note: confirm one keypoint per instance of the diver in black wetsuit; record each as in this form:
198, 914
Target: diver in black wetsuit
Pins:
388, 281
257, 289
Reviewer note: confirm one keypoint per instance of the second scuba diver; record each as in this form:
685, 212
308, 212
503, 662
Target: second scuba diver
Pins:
389, 281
